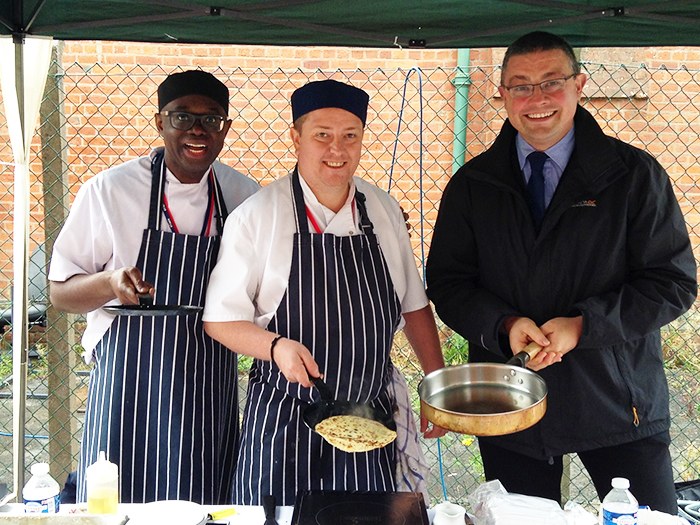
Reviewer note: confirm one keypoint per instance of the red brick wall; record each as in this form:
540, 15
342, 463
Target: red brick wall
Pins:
111, 111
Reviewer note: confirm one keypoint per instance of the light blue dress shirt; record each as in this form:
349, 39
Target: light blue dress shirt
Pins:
559, 156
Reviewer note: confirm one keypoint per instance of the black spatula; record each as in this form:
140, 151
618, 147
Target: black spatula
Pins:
269, 507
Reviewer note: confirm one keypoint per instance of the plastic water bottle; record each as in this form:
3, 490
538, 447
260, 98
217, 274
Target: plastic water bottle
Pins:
41, 494
619, 507
102, 478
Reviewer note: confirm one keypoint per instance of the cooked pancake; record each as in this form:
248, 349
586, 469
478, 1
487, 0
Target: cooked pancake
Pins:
354, 433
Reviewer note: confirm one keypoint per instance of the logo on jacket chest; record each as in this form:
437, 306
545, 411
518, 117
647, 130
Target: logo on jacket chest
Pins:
586, 203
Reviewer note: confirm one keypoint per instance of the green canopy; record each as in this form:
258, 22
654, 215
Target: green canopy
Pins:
375, 23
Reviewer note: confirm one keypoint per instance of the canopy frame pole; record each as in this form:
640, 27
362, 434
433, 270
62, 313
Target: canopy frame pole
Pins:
20, 318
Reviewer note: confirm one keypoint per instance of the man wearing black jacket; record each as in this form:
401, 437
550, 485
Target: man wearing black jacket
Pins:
582, 250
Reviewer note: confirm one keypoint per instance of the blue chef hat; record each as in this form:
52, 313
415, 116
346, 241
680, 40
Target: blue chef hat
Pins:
193, 82
329, 94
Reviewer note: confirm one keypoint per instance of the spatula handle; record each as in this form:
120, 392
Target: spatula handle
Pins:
326, 394
269, 508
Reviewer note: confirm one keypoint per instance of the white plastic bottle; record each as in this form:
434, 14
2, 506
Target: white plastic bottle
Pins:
102, 478
41, 494
619, 506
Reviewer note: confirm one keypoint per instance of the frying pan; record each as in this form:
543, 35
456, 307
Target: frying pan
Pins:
328, 406
147, 307
485, 399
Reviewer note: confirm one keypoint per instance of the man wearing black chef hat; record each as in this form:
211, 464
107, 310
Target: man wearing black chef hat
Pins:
315, 275
162, 399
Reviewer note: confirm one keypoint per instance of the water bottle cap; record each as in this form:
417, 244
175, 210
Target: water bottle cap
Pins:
621, 483
40, 468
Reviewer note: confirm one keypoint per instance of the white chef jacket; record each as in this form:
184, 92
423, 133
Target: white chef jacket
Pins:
252, 272
105, 225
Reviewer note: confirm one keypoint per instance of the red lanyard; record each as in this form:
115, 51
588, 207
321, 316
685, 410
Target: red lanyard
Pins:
208, 216
314, 222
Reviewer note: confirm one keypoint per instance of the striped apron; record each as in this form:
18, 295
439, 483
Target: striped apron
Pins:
162, 400
341, 304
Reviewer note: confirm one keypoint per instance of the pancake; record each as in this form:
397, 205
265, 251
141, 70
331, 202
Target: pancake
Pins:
355, 433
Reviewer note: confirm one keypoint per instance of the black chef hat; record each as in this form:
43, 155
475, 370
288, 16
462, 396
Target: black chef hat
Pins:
329, 94
193, 82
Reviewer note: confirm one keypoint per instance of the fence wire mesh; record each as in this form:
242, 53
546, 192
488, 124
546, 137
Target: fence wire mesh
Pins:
95, 116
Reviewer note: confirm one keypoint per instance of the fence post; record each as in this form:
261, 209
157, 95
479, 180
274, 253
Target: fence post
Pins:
59, 335
566, 478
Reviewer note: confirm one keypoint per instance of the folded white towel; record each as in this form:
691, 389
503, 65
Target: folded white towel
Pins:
411, 465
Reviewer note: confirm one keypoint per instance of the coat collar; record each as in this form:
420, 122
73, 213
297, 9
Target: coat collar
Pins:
595, 161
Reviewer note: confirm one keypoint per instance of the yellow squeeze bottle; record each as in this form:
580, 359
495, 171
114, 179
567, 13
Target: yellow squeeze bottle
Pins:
102, 479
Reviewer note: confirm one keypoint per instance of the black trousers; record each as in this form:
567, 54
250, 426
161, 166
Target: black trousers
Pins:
646, 463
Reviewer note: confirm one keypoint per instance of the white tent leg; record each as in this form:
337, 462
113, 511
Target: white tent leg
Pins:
24, 63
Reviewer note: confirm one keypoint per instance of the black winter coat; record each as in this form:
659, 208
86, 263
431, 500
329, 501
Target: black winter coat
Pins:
613, 247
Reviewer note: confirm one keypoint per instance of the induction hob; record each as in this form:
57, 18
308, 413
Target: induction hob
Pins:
318, 507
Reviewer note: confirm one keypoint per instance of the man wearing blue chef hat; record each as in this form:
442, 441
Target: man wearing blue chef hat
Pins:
324, 276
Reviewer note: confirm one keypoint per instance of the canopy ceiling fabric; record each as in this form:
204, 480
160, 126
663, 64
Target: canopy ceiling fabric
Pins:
360, 23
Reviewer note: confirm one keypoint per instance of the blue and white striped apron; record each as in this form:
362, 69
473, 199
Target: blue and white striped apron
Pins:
341, 304
162, 400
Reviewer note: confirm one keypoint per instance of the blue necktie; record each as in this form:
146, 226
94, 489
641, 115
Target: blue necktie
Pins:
535, 186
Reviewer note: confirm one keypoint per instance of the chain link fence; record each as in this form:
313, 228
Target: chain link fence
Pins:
422, 123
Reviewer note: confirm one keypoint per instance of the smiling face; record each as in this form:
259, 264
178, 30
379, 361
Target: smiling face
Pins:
188, 154
542, 119
328, 144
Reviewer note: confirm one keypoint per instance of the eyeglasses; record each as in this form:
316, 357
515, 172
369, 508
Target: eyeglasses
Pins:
548, 87
184, 121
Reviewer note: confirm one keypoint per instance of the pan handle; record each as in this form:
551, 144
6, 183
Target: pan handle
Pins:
326, 394
523, 357
145, 299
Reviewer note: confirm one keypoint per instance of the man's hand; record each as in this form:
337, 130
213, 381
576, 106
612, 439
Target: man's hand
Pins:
432, 432
563, 333
405, 218
523, 331
295, 362
84, 293
127, 284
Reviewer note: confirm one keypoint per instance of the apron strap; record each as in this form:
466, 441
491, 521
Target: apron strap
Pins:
365, 223
298, 202
157, 189
300, 208
221, 211
156, 208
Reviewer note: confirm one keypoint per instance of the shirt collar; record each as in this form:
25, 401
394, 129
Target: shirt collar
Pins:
170, 177
322, 213
560, 153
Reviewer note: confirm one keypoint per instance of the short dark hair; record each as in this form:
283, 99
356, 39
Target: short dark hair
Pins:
539, 41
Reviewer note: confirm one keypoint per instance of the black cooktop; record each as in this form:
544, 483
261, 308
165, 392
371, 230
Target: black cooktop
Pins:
359, 508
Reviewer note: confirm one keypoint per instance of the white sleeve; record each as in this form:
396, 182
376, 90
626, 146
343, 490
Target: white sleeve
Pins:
390, 228
414, 297
85, 243
233, 284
